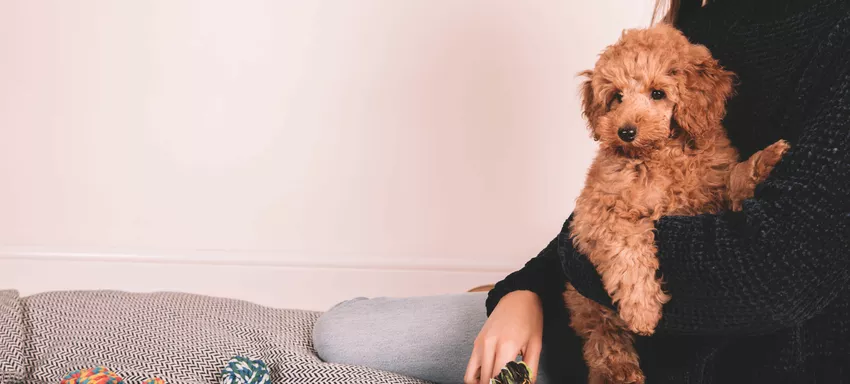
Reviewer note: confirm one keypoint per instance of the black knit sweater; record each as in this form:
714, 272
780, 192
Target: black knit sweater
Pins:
758, 296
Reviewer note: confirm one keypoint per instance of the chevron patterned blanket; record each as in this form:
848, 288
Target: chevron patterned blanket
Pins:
182, 338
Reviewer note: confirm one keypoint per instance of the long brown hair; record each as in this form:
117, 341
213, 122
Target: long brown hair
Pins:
666, 11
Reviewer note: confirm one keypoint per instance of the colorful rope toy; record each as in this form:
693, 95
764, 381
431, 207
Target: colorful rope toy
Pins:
239, 370
243, 370
100, 375
96, 375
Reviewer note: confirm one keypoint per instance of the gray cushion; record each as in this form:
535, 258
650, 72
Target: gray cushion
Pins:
181, 338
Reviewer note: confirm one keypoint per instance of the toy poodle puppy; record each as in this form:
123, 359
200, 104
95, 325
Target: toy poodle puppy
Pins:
654, 102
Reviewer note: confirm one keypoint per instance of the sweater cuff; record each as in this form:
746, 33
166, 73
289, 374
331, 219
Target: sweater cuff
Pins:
583, 276
510, 285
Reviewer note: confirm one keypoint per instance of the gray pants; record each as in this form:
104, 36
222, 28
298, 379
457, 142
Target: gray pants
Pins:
428, 337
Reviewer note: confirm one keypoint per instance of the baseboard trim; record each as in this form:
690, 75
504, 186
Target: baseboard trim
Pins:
264, 258
258, 277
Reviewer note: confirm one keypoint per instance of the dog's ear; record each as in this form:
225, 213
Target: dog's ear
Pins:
590, 108
704, 86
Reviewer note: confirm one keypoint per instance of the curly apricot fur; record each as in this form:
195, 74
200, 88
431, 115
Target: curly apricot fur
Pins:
680, 163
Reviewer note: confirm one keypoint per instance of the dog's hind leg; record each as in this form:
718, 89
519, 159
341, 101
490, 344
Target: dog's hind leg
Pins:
608, 346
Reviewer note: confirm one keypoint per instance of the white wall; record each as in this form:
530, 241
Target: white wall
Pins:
292, 153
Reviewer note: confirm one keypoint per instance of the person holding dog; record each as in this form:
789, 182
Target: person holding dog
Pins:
758, 296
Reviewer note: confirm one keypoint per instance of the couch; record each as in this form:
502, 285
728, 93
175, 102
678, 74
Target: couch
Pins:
181, 338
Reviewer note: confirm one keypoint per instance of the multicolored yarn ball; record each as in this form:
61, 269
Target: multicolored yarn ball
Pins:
96, 375
155, 380
243, 370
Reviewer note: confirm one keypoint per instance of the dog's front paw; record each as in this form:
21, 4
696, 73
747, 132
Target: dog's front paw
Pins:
641, 313
641, 319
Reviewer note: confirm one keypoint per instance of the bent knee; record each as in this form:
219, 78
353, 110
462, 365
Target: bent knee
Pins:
334, 333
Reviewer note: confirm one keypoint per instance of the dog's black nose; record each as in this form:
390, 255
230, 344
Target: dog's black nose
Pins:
627, 133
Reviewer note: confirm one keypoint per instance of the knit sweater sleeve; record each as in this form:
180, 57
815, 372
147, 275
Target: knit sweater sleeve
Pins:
542, 275
786, 255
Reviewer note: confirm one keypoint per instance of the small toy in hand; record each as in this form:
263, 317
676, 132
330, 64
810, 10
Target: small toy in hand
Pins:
243, 370
513, 373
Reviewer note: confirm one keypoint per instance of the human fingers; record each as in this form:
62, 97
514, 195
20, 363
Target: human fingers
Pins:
532, 357
505, 352
473, 367
487, 359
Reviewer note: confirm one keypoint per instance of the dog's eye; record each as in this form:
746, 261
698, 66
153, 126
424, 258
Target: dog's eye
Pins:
658, 94
618, 97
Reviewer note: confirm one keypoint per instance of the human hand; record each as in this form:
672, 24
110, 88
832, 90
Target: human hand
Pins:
514, 328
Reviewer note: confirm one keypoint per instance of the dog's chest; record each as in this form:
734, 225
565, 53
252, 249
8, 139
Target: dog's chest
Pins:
643, 190
650, 191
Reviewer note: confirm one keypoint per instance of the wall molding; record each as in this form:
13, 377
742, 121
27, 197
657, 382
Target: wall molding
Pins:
313, 282
262, 258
